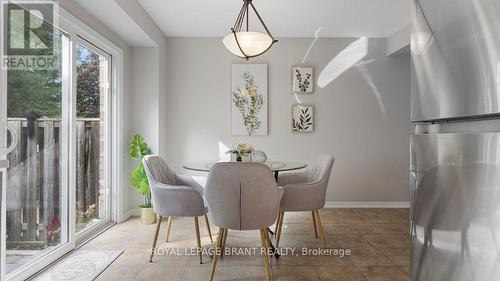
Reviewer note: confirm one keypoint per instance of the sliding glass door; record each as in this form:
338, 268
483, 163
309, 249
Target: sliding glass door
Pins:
36, 181
92, 138
57, 188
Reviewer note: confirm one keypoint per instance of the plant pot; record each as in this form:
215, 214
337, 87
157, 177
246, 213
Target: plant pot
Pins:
147, 215
246, 157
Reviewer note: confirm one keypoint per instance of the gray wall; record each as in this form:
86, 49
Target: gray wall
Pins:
371, 148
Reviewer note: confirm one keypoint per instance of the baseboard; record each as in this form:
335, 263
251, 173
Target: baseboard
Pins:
136, 212
131, 213
367, 204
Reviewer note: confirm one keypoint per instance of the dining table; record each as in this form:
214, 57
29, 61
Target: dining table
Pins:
276, 167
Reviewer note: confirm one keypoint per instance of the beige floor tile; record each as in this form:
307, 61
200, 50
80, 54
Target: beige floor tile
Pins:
247, 273
199, 273
398, 256
339, 273
385, 228
388, 216
318, 259
389, 241
237, 260
289, 241
303, 227
287, 228
384, 273
296, 273
168, 259
368, 255
331, 229
160, 273
292, 258
310, 240
376, 237
406, 269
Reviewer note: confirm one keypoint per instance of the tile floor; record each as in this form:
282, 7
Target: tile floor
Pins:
378, 239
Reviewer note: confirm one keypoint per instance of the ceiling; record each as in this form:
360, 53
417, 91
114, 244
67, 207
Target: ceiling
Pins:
112, 15
285, 18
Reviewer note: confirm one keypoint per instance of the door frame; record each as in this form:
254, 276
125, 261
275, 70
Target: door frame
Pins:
81, 32
72, 26
3, 201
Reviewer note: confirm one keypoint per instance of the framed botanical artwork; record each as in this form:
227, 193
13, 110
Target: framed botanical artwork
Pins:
302, 118
249, 99
302, 80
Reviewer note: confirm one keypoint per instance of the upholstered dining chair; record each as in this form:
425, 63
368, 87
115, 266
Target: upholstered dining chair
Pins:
259, 156
305, 191
242, 196
174, 196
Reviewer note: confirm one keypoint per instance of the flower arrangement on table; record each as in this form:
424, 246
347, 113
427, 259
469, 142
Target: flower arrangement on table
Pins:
241, 152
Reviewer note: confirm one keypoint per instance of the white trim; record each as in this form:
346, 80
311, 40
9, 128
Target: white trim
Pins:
3, 183
368, 204
3, 226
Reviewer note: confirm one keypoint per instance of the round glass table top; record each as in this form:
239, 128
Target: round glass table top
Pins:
275, 165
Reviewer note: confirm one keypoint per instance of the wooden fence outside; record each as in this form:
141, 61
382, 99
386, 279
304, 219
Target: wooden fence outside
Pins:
34, 179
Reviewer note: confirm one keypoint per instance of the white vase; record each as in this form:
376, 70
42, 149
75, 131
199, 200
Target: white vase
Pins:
246, 157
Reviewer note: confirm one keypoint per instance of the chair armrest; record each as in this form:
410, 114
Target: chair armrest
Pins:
177, 200
303, 196
289, 178
197, 183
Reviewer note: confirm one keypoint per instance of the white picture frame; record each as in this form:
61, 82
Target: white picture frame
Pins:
302, 80
249, 99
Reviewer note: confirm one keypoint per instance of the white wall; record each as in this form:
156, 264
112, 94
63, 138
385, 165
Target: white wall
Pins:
149, 90
371, 147
143, 112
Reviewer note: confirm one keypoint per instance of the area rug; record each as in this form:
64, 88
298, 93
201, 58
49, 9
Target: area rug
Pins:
79, 266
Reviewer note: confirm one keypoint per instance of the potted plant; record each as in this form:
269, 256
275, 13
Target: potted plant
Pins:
138, 149
241, 152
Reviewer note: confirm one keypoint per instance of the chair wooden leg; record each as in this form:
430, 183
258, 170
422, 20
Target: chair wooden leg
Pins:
265, 256
198, 239
315, 224
216, 254
155, 239
320, 228
224, 238
169, 227
208, 227
280, 228
277, 223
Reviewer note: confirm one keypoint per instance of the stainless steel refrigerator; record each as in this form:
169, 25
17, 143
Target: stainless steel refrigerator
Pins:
455, 149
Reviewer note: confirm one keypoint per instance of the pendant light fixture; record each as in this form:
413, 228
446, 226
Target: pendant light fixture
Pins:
245, 43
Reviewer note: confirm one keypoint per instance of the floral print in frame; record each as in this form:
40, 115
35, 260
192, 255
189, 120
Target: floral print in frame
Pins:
249, 99
302, 118
302, 79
